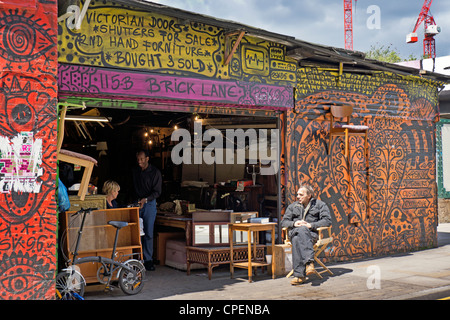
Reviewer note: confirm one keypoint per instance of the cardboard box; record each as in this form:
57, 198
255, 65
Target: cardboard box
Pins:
283, 259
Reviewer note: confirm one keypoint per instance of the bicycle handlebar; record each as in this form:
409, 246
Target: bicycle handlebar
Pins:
88, 210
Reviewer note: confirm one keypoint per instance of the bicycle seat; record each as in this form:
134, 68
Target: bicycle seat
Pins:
118, 224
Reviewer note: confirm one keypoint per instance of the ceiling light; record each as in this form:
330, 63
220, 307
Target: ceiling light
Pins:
86, 118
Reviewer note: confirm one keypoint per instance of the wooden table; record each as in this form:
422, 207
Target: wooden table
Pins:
251, 261
176, 221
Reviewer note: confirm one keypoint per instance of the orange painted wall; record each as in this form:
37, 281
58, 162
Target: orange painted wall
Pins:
399, 212
28, 89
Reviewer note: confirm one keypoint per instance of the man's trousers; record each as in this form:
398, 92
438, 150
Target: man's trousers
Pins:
148, 215
302, 240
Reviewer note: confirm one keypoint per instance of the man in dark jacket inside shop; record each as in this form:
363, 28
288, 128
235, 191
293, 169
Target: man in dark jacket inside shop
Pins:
303, 217
147, 183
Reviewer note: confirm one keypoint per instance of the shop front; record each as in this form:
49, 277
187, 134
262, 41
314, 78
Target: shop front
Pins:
207, 103
234, 117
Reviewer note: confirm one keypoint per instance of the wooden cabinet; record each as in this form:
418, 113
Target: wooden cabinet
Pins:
240, 237
210, 233
210, 228
98, 237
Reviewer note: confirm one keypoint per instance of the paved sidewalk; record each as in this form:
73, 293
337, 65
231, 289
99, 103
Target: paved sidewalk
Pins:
404, 276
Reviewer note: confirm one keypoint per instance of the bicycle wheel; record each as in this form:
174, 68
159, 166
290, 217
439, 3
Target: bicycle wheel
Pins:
69, 285
129, 283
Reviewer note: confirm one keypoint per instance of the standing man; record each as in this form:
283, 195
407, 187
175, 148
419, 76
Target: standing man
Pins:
303, 217
147, 183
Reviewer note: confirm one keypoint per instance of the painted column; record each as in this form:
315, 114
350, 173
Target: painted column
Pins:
28, 90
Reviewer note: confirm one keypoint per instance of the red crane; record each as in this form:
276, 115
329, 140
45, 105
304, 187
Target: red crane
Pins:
431, 29
348, 24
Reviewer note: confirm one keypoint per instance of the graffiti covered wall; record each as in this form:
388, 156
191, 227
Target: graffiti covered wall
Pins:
28, 59
389, 207
399, 212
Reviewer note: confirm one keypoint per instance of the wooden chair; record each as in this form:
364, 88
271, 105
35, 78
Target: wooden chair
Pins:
319, 246
73, 157
342, 113
340, 126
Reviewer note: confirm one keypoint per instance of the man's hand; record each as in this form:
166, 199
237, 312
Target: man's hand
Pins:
300, 223
142, 202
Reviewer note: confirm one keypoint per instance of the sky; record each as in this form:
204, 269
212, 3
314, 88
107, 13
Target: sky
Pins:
375, 22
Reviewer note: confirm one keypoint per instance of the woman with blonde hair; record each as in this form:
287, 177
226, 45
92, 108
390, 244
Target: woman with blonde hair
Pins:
111, 189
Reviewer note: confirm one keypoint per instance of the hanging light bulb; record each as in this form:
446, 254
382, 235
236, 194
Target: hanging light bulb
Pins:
197, 117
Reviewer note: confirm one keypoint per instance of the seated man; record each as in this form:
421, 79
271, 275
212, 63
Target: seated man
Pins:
303, 217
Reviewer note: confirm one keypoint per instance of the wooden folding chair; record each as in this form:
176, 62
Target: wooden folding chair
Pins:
74, 157
319, 246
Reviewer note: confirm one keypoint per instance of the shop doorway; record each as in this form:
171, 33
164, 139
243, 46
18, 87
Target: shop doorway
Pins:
203, 184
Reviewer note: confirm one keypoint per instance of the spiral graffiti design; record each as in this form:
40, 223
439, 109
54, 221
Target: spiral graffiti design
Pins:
20, 39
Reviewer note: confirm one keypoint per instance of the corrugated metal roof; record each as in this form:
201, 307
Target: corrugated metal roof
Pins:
300, 50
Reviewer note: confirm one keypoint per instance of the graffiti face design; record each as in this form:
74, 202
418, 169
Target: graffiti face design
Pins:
23, 39
24, 275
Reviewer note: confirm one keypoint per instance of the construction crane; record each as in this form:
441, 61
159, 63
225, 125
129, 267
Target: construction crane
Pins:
348, 24
431, 29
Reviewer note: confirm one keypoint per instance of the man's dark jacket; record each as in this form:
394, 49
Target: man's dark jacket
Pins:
147, 183
318, 215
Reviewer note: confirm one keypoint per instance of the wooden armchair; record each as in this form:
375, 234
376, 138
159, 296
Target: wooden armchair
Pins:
319, 246
342, 113
73, 157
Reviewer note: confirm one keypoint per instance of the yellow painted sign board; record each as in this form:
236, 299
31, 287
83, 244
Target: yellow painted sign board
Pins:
127, 38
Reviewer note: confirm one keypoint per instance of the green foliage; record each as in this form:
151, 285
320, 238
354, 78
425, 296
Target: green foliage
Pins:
386, 54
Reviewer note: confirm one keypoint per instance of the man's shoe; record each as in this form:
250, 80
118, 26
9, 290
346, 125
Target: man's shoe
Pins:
297, 281
310, 269
149, 266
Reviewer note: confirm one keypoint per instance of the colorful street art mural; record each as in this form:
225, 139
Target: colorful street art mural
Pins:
398, 213
383, 204
28, 88
129, 38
